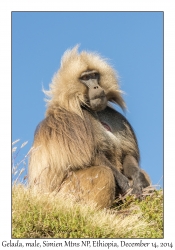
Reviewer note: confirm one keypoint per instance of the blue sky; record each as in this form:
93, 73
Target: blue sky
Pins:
133, 41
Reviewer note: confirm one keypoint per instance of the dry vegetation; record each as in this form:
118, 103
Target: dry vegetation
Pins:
47, 216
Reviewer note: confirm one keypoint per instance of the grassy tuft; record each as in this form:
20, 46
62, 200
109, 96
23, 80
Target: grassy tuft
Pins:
46, 216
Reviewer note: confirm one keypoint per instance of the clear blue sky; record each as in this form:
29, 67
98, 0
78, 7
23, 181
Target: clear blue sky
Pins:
133, 41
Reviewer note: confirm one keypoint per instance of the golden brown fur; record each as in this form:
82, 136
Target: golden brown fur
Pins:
71, 139
92, 185
68, 93
65, 142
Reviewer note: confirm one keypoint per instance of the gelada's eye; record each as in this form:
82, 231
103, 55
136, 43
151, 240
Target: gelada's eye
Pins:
86, 77
93, 75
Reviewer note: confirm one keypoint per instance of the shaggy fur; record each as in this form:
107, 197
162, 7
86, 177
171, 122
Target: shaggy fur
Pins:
66, 91
71, 144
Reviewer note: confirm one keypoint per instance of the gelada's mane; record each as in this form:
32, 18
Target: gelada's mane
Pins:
68, 93
69, 136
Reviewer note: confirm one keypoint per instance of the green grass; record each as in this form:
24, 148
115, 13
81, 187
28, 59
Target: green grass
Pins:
46, 216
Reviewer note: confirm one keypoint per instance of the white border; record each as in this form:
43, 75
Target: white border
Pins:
5, 91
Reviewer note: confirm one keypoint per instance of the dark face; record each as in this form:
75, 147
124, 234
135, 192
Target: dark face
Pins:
97, 98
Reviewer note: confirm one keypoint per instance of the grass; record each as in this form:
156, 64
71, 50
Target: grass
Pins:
46, 216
